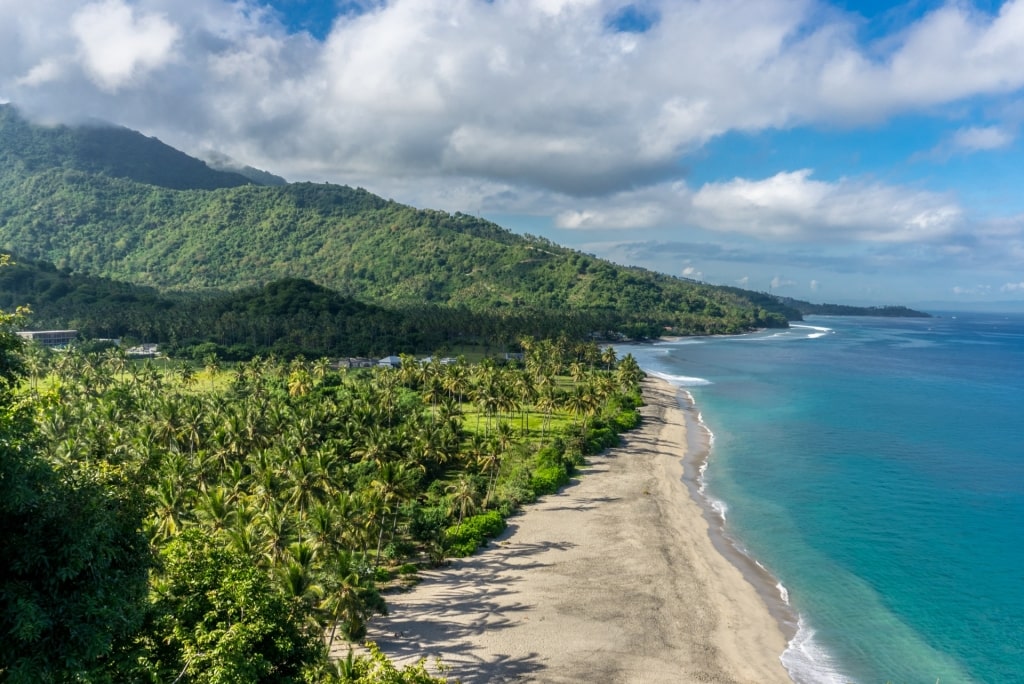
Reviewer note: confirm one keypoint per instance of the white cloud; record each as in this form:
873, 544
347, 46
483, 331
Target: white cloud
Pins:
44, 72
973, 290
814, 285
780, 282
118, 46
1012, 287
693, 273
982, 138
537, 94
536, 107
792, 206
744, 281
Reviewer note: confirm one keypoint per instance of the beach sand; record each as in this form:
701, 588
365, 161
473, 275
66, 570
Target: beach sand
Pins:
615, 579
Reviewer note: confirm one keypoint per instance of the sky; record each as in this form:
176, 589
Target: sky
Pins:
849, 151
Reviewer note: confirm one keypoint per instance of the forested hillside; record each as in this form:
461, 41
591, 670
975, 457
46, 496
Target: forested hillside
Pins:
97, 207
286, 318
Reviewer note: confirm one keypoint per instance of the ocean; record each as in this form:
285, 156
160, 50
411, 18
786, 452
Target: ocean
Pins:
875, 468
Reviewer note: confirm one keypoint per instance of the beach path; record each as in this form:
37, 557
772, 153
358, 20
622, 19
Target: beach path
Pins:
614, 579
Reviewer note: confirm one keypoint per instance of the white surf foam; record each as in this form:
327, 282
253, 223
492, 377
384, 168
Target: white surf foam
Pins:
818, 331
807, 662
679, 380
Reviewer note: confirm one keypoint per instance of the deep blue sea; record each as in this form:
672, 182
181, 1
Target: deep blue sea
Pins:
875, 467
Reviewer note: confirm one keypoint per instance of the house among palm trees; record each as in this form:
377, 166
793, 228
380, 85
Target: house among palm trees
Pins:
356, 362
55, 339
391, 362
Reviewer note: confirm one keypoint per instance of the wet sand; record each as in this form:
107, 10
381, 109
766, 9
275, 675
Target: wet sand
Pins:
615, 579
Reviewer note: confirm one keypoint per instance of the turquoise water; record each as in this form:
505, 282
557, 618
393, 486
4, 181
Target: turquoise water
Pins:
875, 467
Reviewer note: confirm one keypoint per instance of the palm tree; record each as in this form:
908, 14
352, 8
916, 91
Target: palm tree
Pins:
168, 499
379, 445
214, 508
608, 357
297, 576
345, 599
463, 493
211, 364
392, 483
186, 374
628, 374
579, 402
489, 461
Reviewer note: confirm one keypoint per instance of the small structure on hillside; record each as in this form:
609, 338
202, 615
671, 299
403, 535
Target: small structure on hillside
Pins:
356, 362
147, 350
55, 339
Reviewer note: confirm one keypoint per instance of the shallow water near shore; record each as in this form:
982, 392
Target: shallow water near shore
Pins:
875, 467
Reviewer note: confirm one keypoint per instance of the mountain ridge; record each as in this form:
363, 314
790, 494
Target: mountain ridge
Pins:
114, 216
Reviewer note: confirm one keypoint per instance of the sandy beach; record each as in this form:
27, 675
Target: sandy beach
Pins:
615, 579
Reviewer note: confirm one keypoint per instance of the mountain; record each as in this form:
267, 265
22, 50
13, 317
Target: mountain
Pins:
221, 162
101, 148
111, 202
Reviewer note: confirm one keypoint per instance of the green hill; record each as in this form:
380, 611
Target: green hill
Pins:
102, 148
177, 225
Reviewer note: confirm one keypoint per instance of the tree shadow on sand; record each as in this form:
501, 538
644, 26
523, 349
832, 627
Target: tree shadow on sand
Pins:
472, 597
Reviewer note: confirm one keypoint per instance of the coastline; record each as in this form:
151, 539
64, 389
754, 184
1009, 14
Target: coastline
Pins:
617, 578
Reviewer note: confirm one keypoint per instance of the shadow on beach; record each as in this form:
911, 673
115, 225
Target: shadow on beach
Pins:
472, 597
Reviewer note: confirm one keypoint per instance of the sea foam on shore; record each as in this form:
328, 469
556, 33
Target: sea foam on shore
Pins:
806, 661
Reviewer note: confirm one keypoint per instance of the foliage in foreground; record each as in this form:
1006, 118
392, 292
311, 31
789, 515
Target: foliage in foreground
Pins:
167, 527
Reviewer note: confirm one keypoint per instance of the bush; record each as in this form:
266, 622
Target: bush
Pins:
427, 522
463, 540
600, 439
514, 490
626, 420
547, 479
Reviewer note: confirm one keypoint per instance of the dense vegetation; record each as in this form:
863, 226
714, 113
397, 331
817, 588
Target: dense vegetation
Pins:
285, 318
104, 211
809, 309
220, 525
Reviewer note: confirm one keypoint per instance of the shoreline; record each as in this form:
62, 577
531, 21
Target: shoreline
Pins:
616, 578
698, 452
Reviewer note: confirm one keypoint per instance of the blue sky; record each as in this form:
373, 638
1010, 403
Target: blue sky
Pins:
846, 151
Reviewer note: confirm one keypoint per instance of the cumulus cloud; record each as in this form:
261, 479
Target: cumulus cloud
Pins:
119, 46
786, 207
779, 282
1012, 287
791, 206
536, 94
544, 108
976, 138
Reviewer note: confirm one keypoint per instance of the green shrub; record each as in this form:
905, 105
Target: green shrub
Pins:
408, 569
626, 420
463, 540
547, 479
513, 490
600, 439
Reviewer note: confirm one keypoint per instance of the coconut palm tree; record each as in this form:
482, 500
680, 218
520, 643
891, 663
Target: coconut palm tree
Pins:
463, 496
